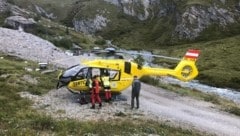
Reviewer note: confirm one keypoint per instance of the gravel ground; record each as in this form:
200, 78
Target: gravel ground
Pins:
155, 103
62, 104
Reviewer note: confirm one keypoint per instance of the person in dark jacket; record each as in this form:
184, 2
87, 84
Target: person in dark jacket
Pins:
136, 87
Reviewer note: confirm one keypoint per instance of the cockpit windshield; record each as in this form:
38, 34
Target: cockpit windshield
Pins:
72, 71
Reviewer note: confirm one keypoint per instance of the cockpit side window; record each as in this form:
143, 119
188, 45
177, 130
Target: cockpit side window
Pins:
82, 73
72, 71
114, 75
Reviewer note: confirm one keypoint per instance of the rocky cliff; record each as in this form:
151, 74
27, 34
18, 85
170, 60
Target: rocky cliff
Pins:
156, 22
187, 18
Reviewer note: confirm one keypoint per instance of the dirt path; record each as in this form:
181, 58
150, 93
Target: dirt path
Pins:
186, 111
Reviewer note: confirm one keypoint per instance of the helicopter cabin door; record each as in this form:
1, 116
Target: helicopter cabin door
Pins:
80, 82
114, 76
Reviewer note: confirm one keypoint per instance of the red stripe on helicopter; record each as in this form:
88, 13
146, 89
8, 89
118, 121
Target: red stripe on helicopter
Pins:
193, 54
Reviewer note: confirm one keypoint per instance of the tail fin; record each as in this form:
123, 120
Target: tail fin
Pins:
186, 69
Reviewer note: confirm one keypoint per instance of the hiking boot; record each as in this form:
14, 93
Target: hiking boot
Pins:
100, 105
93, 107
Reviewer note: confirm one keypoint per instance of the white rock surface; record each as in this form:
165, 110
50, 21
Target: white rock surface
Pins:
31, 47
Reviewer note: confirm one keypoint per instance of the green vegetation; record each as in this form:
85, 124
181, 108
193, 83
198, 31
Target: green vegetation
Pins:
18, 118
100, 42
223, 104
3, 15
218, 61
61, 36
199, 2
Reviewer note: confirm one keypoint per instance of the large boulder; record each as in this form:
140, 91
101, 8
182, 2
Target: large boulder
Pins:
19, 21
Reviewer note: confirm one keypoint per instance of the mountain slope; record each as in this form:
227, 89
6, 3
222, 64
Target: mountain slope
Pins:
154, 22
151, 22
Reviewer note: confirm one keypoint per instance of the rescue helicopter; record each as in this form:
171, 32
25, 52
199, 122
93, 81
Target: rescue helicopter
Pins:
121, 72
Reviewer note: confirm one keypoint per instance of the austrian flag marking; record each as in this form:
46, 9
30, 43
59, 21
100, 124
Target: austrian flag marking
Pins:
193, 54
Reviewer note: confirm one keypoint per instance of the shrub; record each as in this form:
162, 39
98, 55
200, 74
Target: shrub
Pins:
3, 16
64, 42
100, 42
234, 110
150, 80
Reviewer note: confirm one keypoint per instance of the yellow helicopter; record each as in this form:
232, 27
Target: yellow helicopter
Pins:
121, 72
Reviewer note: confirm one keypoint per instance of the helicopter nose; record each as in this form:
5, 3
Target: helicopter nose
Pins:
63, 81
59, 85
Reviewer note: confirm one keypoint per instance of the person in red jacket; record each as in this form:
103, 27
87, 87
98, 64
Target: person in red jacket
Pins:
96, 86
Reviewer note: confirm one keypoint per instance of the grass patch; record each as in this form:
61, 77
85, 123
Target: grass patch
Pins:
199, 2
3, 16
61, 36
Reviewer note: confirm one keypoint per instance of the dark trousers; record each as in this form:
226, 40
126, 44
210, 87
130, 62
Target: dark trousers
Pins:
135, 95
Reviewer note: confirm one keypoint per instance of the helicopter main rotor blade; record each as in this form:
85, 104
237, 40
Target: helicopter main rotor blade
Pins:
159, 56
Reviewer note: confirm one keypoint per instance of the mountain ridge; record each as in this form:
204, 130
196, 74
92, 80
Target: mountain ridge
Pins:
187, 19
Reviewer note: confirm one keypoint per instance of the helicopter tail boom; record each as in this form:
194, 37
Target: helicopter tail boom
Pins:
185, 70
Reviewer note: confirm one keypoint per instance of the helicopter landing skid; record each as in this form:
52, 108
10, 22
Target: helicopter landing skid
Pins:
119, 97
85, 98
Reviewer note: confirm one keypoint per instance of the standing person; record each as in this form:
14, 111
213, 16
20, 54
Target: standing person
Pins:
136, 87
96, 86
106, 86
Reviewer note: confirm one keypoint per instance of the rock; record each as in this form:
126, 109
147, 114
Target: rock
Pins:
90, 26
28, 69
3, 6
197, 18
29, 47
19, 21
43, 12
16, 11
29, 79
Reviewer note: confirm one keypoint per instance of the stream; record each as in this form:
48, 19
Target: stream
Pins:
229, 94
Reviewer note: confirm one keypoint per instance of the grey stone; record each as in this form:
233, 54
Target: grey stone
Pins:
3, 6
17, 21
